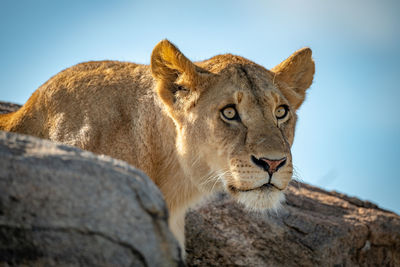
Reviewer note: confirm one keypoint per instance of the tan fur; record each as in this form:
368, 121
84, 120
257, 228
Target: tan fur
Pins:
166, 120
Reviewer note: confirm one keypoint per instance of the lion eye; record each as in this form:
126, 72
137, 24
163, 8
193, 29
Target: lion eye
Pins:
281, 112
230, 113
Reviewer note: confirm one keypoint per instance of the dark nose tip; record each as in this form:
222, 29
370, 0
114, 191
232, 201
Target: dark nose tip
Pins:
269, 165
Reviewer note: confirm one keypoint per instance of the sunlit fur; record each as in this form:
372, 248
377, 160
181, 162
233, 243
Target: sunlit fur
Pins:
268, 201
165, 119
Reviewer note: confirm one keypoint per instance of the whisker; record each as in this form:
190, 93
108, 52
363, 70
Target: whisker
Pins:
207, 178
297, 177
214, 177
195, 161
218, 178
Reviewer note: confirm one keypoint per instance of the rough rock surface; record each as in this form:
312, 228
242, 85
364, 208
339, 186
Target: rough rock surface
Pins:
315, 228
6, 107
61, 206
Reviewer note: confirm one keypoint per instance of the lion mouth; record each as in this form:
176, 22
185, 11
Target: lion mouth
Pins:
266, 186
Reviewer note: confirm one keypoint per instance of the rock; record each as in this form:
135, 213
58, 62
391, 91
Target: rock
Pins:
61, 206
6, 107
315, 228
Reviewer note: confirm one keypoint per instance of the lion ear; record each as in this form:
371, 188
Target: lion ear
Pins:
167, 64
295, 75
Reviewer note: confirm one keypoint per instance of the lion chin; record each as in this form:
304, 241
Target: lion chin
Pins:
261, 200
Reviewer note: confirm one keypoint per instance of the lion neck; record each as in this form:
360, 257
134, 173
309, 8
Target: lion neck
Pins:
167, 170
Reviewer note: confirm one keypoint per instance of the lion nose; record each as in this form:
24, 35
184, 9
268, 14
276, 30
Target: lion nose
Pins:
269, 165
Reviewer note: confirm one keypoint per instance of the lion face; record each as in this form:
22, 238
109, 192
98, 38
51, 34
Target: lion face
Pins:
235, 120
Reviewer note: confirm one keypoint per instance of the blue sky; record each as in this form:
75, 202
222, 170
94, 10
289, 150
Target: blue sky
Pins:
347, 137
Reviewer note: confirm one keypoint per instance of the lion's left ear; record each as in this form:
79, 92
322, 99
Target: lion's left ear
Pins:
295, 75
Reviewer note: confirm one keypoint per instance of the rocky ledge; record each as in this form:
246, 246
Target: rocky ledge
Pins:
61, 206
314, 228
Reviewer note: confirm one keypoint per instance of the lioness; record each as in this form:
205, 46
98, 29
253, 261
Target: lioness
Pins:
225, 123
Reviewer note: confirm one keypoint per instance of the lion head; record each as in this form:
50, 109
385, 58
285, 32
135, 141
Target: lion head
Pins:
235, 120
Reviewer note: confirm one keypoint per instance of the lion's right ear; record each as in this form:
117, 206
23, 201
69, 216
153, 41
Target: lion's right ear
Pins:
167, 64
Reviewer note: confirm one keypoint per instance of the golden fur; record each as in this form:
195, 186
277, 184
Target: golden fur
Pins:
166, 119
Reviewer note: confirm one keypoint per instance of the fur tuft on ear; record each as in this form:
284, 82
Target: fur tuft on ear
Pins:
295, 75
